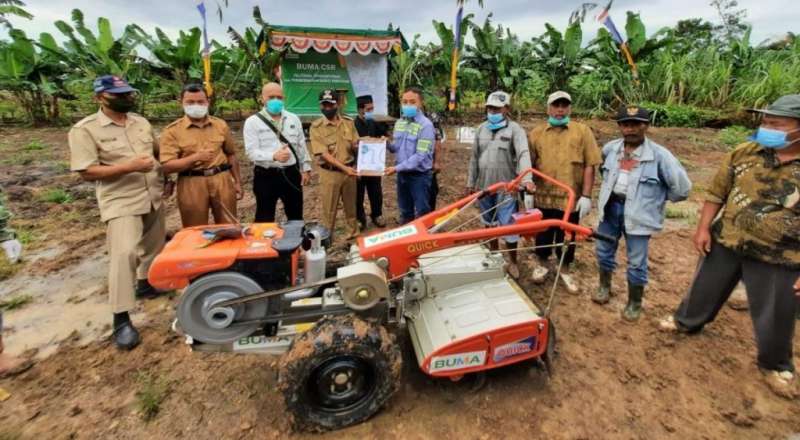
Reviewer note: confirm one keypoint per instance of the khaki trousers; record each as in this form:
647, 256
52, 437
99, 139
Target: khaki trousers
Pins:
335, 186
133, 243
196, 194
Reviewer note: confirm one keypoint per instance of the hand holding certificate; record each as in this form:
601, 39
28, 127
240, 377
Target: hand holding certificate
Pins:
371, 157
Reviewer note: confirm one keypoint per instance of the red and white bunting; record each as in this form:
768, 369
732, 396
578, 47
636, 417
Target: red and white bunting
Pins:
324, 45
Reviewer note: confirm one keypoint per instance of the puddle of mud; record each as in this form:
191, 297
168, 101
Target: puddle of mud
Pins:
72, 300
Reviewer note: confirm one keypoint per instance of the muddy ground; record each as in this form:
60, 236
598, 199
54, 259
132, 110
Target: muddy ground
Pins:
611, 379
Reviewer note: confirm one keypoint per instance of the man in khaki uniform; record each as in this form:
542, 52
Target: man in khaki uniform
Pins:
567, 151
117, 150
334, 140
201, 149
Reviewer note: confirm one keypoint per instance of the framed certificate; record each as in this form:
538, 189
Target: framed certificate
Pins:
371, 157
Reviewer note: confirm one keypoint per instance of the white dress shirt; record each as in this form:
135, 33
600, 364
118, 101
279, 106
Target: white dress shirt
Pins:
261, 143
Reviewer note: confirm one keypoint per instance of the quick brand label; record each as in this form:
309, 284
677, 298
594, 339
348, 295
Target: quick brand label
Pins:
390, 235
458, 361
512, 349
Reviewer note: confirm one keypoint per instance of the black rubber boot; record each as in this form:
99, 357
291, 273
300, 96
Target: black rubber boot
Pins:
634, 307
144, 290
603, 293
126, 337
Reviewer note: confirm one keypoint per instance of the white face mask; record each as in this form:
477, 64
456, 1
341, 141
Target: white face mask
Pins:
196, 111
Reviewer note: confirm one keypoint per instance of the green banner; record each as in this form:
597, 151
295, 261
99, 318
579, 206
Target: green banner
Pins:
305, 75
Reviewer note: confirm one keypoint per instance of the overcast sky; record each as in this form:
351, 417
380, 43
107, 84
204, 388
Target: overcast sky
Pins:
769, 18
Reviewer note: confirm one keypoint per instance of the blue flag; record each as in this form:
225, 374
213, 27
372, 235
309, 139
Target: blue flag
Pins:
201, 6
609, 24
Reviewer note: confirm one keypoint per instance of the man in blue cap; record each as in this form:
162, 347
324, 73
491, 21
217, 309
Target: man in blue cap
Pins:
756, 193
117, 150
413, 145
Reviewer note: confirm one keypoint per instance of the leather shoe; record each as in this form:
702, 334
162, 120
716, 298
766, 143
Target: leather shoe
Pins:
145, 290
126, 336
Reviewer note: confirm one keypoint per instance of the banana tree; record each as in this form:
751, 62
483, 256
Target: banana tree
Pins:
561, 56
251, 68
181, 57
436, 60
101, 53
35, 79
500, 57
12, 8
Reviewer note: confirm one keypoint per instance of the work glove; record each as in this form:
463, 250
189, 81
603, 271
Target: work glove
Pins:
583, 207
13, 249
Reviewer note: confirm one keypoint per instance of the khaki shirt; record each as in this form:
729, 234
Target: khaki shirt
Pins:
761, 217
334, 137
562, 153
184, 137
97, 140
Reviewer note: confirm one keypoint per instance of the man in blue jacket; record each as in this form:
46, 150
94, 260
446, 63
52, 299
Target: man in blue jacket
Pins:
413, 144
639, 176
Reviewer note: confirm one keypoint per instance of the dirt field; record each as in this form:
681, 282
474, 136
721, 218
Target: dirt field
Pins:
611, 379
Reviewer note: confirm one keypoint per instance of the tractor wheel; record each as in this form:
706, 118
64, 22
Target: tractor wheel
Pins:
550, 351
339, 373
200, 317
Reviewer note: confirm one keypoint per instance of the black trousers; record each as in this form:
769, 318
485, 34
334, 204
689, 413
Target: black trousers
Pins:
556, 235
372, 186
273, 184
434, 190
769, 293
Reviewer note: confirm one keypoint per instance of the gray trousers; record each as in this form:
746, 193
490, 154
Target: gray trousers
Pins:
770, 294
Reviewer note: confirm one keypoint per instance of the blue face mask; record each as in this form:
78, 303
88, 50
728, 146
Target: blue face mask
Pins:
369, 116
274, 106
409, 111
558, 122
769, 138
495, 118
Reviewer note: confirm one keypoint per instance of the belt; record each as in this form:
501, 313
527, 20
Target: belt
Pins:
206, 172
275, 169
329, 167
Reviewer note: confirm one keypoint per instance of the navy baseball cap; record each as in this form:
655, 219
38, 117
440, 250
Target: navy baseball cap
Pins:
633, 113
111, 84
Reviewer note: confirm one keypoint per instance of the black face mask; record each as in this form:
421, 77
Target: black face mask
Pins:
120, 103
330, 113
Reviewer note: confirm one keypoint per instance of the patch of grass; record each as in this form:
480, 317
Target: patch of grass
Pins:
61, 166
7, 270
688, 165
152, 392
18, 159
681, 212
56, 195
26, 236
16, 302
734, 135
35, 145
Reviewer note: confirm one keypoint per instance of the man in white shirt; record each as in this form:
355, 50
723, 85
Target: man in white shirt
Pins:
277, 174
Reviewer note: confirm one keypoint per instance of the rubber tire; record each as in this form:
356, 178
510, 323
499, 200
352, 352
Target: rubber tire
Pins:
550, 352
333, 337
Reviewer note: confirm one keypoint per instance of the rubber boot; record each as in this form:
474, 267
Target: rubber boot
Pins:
634, 307
603, 293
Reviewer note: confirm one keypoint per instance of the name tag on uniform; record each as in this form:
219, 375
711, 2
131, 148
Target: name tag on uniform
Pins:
505, 138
